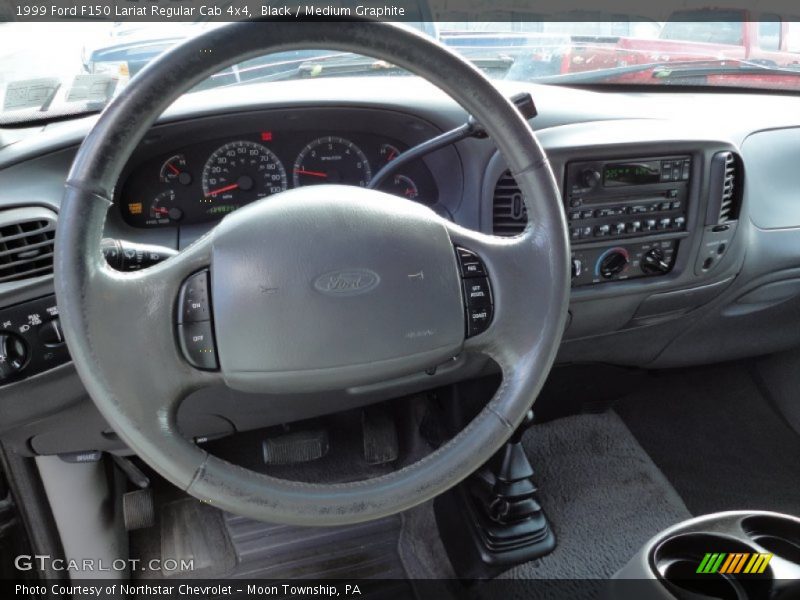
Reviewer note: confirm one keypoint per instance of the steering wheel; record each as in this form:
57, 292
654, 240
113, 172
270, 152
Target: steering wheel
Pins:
276, 328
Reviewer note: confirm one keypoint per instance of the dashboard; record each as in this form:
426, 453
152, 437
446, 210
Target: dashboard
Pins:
204, 181
670, 267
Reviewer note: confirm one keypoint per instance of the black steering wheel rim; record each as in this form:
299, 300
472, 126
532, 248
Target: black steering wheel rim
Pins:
119, 327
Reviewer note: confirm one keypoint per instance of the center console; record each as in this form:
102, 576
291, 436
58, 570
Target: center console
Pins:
741, 555
626, 216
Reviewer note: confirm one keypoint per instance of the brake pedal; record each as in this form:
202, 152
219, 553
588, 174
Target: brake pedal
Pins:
301, 446
380, 436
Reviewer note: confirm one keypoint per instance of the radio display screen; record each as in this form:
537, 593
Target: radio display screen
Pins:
634, 173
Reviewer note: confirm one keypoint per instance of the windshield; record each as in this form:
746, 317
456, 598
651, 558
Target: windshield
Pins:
85, 64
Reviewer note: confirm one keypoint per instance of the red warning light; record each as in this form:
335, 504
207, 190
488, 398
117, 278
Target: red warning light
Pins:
266, 136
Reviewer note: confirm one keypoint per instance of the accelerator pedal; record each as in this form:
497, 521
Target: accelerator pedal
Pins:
138, 509
296, 447
380, 436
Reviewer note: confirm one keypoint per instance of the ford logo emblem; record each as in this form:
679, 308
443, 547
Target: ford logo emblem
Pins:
347, 282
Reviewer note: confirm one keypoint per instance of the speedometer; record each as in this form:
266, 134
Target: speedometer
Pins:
331, 160
240, 172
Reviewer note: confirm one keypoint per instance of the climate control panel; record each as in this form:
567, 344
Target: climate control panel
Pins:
623, 261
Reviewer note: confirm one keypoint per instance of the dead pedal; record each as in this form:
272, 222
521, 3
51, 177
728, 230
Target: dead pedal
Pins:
138, 510
380, 436
297, 447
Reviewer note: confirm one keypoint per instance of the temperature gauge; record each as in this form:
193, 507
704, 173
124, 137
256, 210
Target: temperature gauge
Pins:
174, 169
388, 153
163, 209
401, 185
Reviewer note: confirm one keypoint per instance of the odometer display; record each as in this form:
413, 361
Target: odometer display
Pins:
241, 172
331, 159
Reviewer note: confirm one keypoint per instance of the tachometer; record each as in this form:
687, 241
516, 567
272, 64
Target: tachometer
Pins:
331, 160
240, 172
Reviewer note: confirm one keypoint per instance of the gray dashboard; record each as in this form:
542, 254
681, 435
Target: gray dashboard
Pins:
747, 303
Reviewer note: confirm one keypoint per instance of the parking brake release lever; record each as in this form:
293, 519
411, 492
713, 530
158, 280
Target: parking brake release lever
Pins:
128, 256
523, 101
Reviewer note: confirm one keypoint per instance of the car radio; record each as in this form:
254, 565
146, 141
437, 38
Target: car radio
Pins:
627, 198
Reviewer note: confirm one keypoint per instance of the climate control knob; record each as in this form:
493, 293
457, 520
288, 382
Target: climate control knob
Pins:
655, 262
13, 355
613, 263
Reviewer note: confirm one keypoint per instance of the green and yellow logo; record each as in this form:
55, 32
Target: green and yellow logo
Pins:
733, 563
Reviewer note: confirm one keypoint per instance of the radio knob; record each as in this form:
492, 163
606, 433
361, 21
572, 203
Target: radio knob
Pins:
589, 178
13, 355
613, 264
654, 262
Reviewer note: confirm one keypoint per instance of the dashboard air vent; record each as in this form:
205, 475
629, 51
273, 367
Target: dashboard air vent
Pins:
509, 216
26, 243
726, 189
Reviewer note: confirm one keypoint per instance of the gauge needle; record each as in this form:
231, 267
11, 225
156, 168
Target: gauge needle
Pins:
160, 210
173, 168
226, 188
312, 173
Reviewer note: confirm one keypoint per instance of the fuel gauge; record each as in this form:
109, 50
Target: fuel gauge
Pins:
401, 185
174, 169
163, 209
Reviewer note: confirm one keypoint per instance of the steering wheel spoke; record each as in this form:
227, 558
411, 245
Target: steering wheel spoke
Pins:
519, 270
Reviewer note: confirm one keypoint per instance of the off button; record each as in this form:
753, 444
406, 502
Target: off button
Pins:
197, 344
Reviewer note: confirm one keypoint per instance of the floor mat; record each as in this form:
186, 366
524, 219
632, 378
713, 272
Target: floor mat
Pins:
268, 551
603, 495
717, 439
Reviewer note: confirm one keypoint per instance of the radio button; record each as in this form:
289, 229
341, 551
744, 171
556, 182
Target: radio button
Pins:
679, 222
574, 215
664, 223
687, 167
587, 214
673, 193
602, 230
619, 228
586, 232
636, 210
634, 226
676, 205
650, 225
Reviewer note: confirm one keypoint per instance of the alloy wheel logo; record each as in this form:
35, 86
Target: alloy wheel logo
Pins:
347, 282
734, 563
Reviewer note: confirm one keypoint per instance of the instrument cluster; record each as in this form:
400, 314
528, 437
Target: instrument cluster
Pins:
205, 181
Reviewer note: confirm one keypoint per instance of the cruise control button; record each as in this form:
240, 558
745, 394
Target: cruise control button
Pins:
476, 292
197, 343
193, 302
478, 320
471, 265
